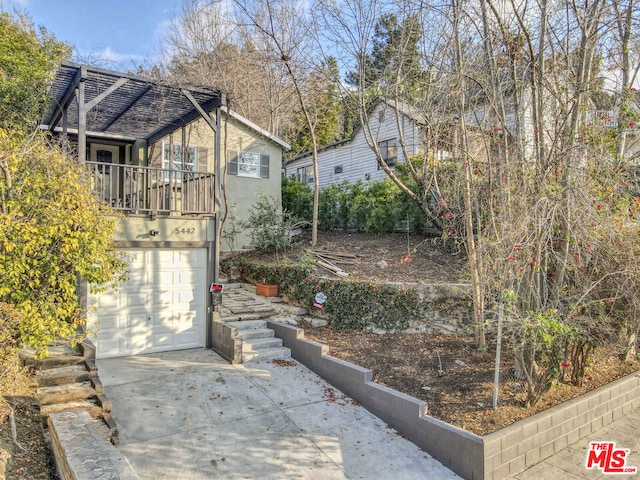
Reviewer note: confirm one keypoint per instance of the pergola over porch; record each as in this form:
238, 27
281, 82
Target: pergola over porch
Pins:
90, 105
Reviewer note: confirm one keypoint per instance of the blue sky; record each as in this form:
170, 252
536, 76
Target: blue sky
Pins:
128, 32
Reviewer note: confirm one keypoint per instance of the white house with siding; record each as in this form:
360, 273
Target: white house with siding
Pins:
353, 159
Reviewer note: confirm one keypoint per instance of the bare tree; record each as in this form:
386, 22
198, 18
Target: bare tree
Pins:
285, 28
208, 46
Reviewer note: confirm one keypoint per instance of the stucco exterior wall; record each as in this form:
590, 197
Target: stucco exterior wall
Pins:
170, 229
242, 192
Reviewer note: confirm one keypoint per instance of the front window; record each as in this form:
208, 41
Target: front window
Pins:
249, 164
305, 174
177, 163
389, 152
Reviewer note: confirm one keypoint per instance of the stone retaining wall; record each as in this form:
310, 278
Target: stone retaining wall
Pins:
81, 451
496, 456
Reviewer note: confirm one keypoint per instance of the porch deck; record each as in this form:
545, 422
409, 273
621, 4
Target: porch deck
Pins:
134, 189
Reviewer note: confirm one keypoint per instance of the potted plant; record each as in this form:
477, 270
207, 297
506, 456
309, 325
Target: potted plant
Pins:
266, 290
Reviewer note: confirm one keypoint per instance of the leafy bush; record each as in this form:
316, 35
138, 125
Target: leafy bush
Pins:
334, 206
374, 207
269, 229
297, 199
52, 232
10, 319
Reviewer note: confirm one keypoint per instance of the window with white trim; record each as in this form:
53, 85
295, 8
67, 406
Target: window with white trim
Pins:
249, 164
176, 163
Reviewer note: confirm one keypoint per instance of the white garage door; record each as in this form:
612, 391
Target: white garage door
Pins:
161, 306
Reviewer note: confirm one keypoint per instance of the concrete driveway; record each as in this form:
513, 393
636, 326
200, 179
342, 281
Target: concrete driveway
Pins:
190, 415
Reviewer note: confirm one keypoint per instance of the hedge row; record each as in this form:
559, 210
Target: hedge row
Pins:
350, 305
374, 207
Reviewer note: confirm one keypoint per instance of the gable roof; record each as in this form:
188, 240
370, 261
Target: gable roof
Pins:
124, 105
256, 128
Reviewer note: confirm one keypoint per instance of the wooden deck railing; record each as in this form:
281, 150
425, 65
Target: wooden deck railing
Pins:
136, 189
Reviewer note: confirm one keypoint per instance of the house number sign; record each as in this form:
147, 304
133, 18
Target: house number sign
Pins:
184, 231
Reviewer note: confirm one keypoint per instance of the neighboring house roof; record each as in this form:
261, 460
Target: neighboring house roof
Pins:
409, 111
124, 105
256, 128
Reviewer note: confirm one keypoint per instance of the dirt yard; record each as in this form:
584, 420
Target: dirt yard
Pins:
447, 371
25, 455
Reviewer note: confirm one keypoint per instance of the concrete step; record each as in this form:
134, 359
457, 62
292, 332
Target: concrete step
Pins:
231, 317
73, 392
91, 405
54, 360
249, 324
64, 375
252, 333
266, 355
251, 345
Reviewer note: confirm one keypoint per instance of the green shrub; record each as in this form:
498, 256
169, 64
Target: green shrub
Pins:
297, 199
374, 207
10, 319
270, 231
333, 208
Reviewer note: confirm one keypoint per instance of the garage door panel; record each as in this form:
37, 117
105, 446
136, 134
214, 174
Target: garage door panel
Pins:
162, 340
110, 347
109, 323
188, 337
134, 299
164, 298
161, 306
134, 344
165, 278
163, 319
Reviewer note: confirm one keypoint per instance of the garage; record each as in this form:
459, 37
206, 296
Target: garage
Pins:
161, 306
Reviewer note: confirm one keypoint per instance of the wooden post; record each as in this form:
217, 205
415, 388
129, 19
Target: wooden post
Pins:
82, 118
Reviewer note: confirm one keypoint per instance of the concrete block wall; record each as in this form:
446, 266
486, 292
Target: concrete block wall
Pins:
521, 445
460, 451
496, 456
226, 342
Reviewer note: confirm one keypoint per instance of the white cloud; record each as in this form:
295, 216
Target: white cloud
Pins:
108, 58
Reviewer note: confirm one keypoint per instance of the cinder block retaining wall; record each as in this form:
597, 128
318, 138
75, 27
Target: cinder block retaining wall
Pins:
225, 340
491, 457
527, 442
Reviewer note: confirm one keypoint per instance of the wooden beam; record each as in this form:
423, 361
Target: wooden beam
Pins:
127, 107
183, 120
82, 118
106, 93
66, 100
203, 113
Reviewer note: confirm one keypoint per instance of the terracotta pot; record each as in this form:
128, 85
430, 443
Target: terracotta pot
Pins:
267, 290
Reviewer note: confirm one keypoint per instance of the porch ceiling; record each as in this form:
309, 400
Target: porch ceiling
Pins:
123, 105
